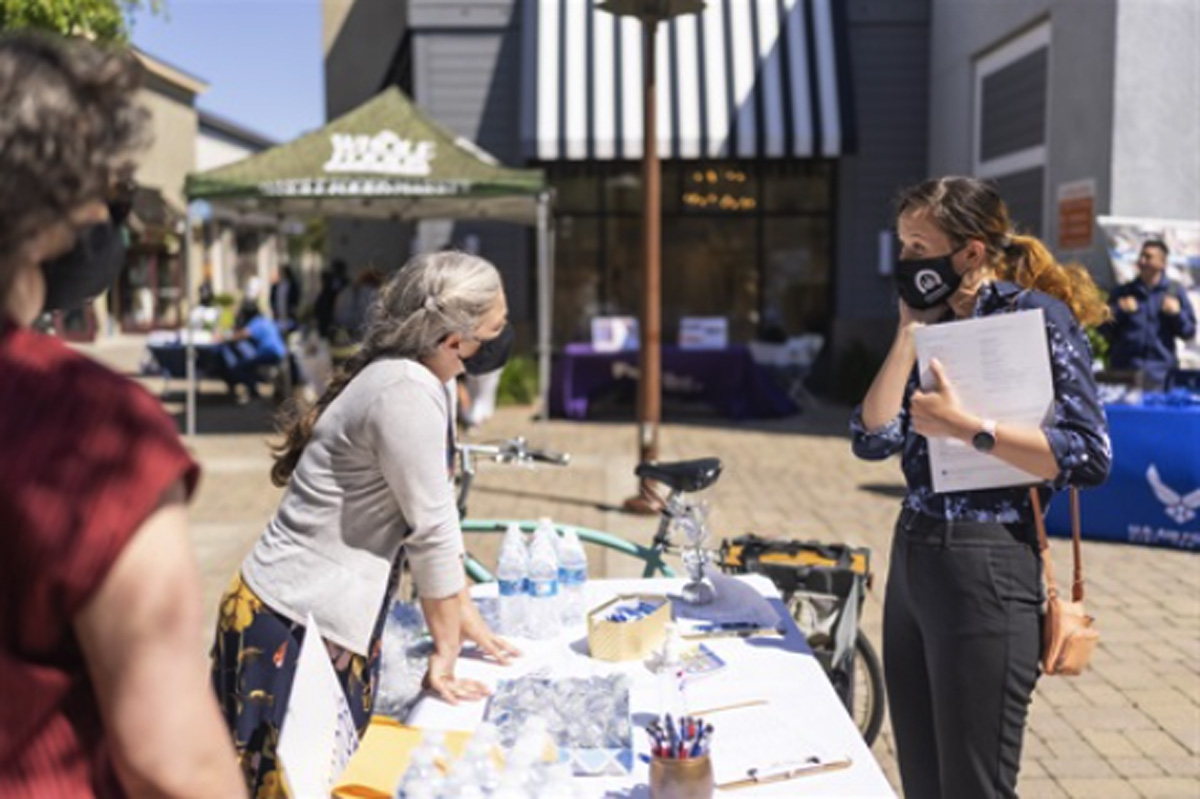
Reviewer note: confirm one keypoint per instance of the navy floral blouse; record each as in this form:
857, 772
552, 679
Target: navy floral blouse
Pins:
1078, 431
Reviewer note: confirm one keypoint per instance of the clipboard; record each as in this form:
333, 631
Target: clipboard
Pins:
784, 772
755, 744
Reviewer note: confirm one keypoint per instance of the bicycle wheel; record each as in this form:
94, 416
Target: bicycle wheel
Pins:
868, 689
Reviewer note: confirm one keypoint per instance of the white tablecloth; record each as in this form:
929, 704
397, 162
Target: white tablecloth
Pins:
779, 670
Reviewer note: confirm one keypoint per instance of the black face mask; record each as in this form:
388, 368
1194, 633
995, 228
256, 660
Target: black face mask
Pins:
926, 282
492, 354
86, 270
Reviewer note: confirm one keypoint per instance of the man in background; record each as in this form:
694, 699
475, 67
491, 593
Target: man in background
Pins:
1149, 313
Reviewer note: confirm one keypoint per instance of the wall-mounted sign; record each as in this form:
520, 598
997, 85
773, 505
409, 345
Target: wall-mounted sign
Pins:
1076, 215
385, 153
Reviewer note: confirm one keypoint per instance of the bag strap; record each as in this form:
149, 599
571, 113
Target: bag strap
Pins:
1044, 545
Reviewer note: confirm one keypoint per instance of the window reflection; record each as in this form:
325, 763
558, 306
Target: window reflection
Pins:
751, 242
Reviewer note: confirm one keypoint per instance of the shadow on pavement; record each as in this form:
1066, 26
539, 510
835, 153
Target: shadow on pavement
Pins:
583, 503
216, 414
896, 490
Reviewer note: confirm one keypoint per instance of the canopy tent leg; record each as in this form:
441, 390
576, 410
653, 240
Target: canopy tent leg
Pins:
545, 277
189, 335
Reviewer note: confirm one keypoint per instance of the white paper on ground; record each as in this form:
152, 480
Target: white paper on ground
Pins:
1000, 367
318, 735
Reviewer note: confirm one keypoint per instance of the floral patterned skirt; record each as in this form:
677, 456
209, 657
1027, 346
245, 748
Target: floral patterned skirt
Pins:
253, 662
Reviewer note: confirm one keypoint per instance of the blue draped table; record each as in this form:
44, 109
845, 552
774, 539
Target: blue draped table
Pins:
172, 359
1160, 508
727, 379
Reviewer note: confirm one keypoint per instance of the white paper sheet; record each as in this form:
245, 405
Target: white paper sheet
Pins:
762, 738
1000, 367
317, 736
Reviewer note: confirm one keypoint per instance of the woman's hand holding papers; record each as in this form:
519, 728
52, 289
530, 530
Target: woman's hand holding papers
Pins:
939, 413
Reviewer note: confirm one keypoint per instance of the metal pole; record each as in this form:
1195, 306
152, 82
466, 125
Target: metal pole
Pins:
545, 298
188, 334
650, 384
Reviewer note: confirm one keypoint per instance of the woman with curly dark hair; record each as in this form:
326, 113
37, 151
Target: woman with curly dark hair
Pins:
103, 685
961, 616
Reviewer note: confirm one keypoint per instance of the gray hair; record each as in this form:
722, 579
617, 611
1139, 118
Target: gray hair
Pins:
432, 296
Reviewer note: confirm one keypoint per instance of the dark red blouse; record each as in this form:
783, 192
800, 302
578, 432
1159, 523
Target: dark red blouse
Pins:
85, 456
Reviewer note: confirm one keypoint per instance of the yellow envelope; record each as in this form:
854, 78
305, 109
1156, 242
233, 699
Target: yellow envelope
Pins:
382, 758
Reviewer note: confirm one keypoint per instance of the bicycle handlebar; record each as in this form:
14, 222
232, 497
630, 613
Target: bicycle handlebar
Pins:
515, 451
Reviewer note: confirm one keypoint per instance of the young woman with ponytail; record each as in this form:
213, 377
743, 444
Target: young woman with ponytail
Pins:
962, 607
367, 473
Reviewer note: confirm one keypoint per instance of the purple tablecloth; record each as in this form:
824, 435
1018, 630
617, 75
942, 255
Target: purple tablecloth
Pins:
729, 380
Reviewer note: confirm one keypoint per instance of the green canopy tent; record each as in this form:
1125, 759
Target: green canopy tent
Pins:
385, 160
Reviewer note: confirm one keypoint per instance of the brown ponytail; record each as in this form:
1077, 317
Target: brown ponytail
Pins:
295, 422
1030, 265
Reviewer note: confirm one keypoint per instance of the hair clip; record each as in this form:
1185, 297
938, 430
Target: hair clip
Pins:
431, 304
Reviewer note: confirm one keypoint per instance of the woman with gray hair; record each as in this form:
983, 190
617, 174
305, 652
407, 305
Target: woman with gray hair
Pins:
368, 475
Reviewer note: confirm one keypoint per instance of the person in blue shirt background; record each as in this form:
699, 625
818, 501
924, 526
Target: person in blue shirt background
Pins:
255, 342
1149, 313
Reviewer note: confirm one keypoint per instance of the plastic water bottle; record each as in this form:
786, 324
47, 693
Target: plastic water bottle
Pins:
543, 619
511, 786
572, 577
477, 758
558, 783
671, 674
545, 532
512, 574
422, 779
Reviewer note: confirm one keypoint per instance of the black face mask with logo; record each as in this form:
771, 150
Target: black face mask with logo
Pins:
492, 354
926, 282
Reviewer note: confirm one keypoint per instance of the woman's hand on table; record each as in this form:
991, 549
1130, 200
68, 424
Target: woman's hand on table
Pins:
475, 630
440, 680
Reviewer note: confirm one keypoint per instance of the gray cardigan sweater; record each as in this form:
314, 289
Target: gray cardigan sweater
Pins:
375, 475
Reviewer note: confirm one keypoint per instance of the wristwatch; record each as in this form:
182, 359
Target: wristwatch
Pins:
985, 439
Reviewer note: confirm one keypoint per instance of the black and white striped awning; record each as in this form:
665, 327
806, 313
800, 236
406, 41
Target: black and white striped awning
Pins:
742, 79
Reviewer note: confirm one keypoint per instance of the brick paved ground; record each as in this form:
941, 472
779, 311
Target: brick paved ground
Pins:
1130, 727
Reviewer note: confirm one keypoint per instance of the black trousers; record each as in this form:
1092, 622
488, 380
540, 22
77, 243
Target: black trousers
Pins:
961, 639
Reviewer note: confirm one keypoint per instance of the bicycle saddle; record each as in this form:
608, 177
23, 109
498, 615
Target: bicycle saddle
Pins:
687, 476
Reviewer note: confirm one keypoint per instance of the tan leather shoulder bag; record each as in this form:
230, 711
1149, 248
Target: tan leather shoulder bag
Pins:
1069, 637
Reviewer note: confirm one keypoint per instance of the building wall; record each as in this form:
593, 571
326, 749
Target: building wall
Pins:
360, 37
213, 150
469, 79
172, 152
889, 47
1080, 111
1156, 124
466, 75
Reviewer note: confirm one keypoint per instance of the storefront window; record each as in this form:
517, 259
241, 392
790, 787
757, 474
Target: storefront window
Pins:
797, 188
718, 188
622, 189
577, 192
709, 269
796, 278
750, 242
577, 277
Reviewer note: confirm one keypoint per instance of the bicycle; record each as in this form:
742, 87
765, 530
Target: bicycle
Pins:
795, 568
